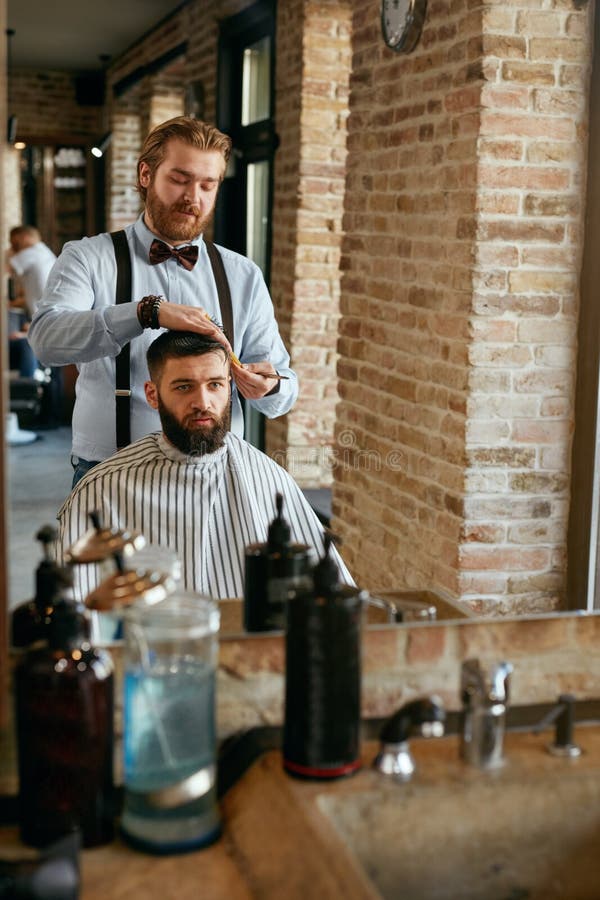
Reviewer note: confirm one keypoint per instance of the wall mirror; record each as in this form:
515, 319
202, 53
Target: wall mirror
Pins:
34, 503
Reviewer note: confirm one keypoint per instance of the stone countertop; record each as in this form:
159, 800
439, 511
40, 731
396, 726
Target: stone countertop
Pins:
270, 848
271, 826
277, 842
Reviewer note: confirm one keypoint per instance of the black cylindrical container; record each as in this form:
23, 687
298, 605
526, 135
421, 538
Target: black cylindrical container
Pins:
64, 716
272, 570
322, 684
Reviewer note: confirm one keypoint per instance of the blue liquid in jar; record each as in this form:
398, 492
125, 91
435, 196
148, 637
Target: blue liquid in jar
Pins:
169, 735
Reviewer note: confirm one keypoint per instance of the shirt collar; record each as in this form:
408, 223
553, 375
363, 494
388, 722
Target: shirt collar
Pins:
175, 455
145, 236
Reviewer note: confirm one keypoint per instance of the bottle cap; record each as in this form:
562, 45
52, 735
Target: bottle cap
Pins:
325, 573
50, 578
127, 586
279, 534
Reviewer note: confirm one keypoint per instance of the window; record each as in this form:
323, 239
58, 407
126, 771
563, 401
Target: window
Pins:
245, 111
256, 82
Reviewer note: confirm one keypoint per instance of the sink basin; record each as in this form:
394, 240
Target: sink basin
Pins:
419, 606
529, 830
412, 606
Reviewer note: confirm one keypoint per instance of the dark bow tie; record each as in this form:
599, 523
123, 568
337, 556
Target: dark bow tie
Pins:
185, 256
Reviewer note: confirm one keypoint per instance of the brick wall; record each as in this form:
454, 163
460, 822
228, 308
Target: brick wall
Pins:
312, 105
288, 84
406, 297
132, 112
123, 203
46, 105
528, 228
460, 259
11, 194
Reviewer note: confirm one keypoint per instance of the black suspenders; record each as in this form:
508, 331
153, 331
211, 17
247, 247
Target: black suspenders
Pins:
223, 291
123, 295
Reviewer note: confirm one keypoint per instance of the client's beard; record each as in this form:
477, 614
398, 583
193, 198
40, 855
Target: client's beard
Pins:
194, 441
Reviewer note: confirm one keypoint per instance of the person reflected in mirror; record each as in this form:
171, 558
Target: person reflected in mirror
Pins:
194, 487
179, 172
29, 261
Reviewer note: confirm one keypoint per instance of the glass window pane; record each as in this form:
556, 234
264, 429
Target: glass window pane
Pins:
256, 82
257, 212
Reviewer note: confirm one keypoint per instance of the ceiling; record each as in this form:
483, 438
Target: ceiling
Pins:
78, 35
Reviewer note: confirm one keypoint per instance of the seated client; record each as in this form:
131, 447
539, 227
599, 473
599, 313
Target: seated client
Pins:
194, 487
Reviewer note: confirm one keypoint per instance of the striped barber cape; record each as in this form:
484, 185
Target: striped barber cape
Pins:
206, 509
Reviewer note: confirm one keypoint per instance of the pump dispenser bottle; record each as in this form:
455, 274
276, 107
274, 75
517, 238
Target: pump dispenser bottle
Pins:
28, 620
272, 570
322, 676
64, 717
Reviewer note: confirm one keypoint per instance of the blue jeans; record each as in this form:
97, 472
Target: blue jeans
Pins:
81, 467
21, 357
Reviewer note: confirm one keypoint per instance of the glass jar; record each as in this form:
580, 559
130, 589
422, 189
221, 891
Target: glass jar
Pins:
170, 661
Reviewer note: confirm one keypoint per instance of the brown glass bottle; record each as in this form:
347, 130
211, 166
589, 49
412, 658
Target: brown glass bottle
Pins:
64, 716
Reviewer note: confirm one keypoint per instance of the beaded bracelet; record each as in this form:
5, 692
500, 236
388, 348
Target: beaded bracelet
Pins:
147, 311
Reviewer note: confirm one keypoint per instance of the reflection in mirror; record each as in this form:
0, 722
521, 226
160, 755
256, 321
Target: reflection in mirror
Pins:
546, 352
39, 479
55, 181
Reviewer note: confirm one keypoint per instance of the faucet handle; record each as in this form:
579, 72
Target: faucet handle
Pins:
563, 713
478, 686
425, 717
500, 678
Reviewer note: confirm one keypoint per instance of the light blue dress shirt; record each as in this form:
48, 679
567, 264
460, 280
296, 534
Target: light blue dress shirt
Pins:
77, 321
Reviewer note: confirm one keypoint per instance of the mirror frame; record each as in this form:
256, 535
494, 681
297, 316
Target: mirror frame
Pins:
3, 410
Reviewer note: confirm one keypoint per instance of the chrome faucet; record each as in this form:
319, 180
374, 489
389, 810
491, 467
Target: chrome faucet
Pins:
425, 717
485, 699
399, 610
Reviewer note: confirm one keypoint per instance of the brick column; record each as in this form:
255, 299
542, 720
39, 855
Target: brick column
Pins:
312, 105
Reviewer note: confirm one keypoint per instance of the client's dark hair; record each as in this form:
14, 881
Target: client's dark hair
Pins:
177, 344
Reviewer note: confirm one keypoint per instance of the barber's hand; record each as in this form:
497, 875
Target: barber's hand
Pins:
252, 379
176, 317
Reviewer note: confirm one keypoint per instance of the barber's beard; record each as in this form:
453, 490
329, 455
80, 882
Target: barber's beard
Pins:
171, 227
194, 440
